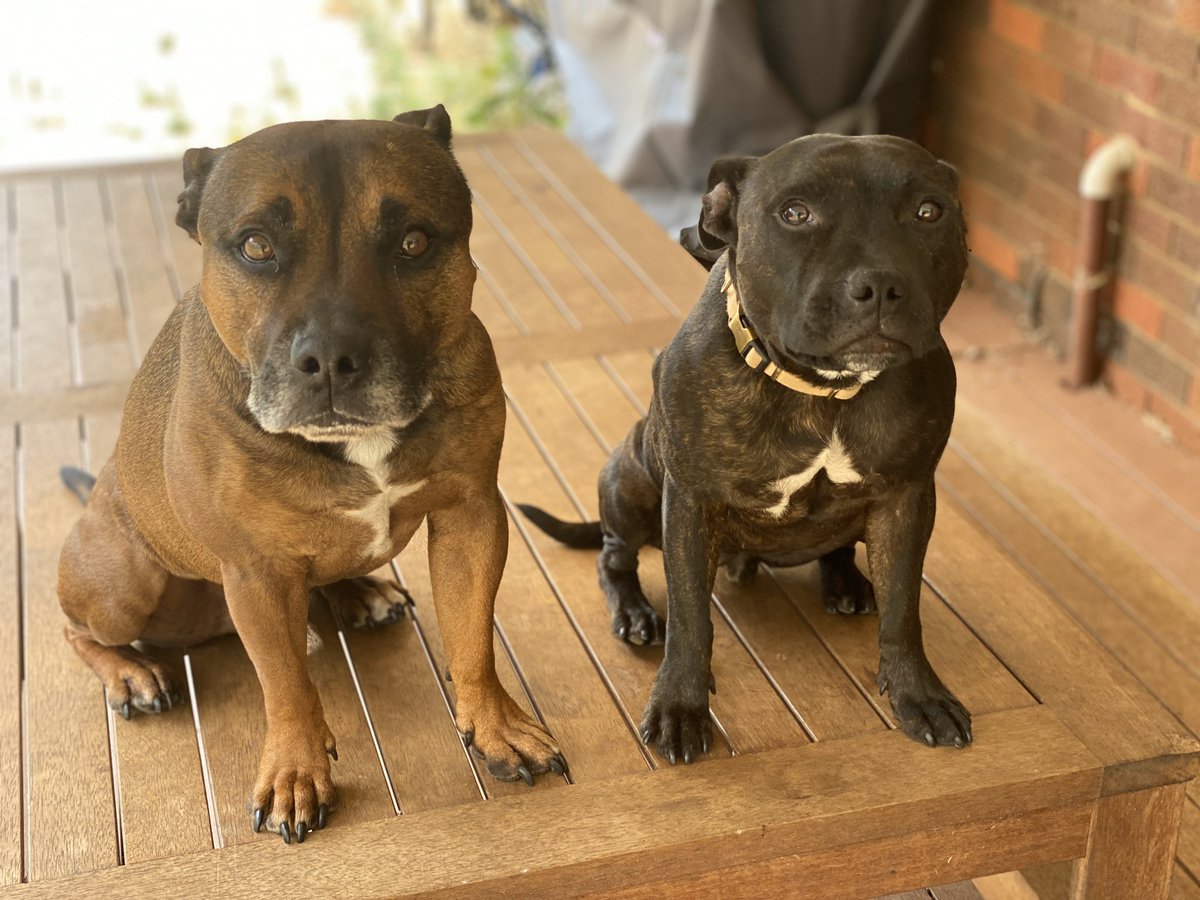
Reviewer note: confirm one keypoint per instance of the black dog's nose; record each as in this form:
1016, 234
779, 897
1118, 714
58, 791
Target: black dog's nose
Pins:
877, 284
333, 356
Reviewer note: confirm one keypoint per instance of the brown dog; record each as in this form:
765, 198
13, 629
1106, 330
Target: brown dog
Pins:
323, 390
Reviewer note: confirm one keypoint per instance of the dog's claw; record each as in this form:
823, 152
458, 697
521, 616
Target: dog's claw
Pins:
301, 831
322, 811
671, 755
448, 676
285, 833
526, 775
712, 685
126, 712
555, 765
158, 704
468, 738
929, 738
332, 751
623, 632
958, 742
258, 820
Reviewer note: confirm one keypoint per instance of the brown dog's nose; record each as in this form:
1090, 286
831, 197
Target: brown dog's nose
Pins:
315, 354
877, 285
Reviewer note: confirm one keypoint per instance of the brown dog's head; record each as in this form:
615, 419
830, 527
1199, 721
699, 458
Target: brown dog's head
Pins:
849, 250
336, 265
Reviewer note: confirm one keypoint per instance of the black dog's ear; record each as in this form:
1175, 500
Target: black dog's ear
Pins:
197, 164
435, 120
717, 228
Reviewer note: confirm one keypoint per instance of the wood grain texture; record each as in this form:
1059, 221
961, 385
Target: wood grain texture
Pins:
1040, 783
11, 725
1131, 848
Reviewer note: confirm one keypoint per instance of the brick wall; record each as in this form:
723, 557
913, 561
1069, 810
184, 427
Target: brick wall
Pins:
1025, 90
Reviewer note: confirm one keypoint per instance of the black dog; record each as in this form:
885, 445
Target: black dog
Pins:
801, 408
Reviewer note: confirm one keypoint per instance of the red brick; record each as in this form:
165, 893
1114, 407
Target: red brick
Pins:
993, 250
1067, 46
1059, 208
1111, 22
1193, 159
1181, 99
1174, 284
1139, 177
1134, 306
1183, 337
1187, 14
1097, 104
1183, 424
1038, 76
1185, 245
1176, 194
1143, 219
1194, 396
1055, 125
1166, 45
1125, 384
1124, 72
1157, 135
1017, 24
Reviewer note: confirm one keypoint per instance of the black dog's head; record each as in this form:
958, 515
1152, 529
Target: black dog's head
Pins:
848, 250
335, 266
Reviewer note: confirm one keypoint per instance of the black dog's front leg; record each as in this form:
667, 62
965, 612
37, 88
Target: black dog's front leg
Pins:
898, 533
676, 722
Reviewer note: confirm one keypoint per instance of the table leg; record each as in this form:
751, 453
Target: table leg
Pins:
1131, 848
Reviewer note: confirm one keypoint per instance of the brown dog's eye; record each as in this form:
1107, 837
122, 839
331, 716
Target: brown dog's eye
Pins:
414, 244
796, 214
929, 211
257, 248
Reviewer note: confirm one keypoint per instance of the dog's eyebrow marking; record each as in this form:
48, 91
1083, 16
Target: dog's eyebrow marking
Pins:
278, 212
834, 459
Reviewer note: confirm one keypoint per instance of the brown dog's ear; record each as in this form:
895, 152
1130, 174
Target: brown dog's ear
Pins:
435, 120
197, 164
717, 228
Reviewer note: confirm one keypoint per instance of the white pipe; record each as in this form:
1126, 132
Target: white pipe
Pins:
1104, 168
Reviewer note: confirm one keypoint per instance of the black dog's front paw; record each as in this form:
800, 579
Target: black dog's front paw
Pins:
846, 590
635, 622
925, 708
677, 730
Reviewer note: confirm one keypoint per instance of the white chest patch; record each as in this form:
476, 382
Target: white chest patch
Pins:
371, 453
838, 466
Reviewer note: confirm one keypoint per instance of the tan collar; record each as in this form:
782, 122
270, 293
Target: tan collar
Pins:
752, 352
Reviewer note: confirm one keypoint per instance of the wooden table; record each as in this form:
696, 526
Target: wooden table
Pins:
810, 792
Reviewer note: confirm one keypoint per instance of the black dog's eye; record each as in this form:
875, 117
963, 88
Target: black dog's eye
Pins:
796, 214
414, 244
929, 211
256, 247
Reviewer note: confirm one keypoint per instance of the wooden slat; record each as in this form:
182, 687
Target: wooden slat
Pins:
45, 352
416, 733
70, 817
751, 713
167, 182
8, 253
1161, 606
1126, 507
11, 726
232, 721
139, 251
1026, 771
104, 350
656, 253
528, 242
564, 683
816, 687
1053, 656
1094, 606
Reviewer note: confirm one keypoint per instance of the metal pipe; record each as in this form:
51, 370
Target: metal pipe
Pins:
1098, 184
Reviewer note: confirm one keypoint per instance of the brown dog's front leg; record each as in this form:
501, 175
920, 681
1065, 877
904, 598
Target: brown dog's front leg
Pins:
293, 792
897, 535
468, 544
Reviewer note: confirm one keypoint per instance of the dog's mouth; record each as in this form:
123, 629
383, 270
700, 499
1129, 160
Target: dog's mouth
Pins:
863, 356
331, 426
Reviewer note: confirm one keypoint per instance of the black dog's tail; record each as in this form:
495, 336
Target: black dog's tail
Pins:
78, 482
580, 535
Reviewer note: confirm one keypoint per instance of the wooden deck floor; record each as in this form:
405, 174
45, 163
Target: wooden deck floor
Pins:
1060, 525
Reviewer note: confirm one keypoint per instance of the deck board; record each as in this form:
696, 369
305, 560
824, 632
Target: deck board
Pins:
1033, 598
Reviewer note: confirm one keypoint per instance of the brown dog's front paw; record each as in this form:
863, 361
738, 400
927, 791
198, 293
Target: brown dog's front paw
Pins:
368, 601
513, 745
133, 680
925, 708
677, 731
294, 792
